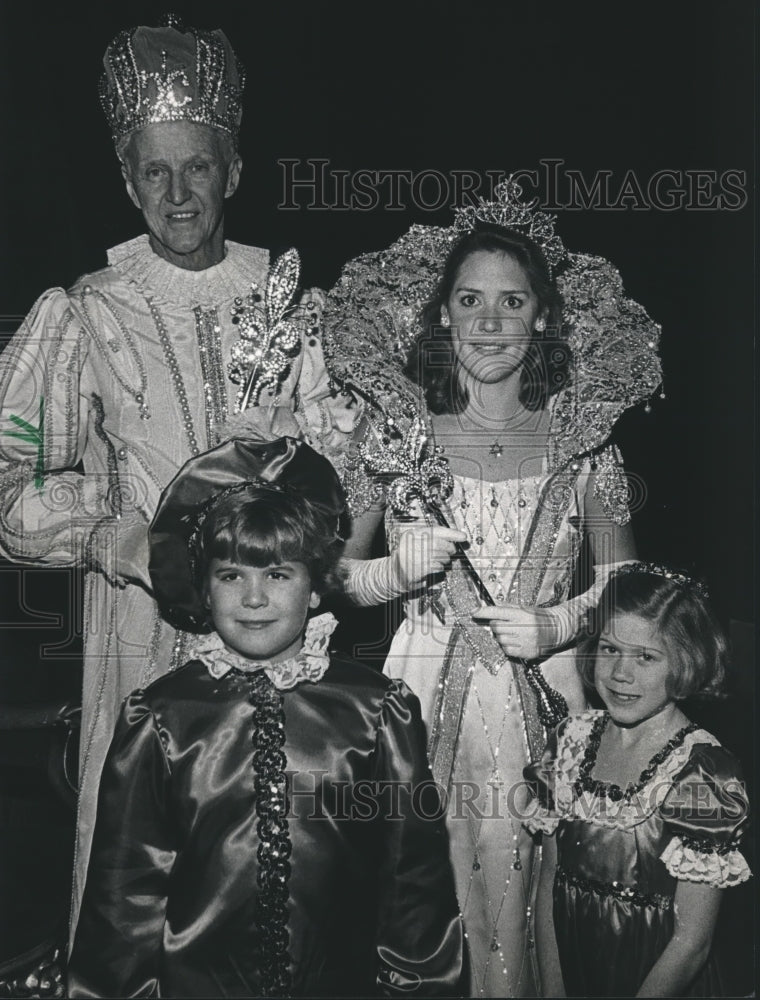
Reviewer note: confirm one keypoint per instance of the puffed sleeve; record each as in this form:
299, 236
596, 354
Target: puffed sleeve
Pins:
541, 778
419, 943
43, 371
50, 514
71, 520
610, 485
706, 812
119, 937
43, 428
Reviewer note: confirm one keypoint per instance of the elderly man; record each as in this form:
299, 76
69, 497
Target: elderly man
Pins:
109, 387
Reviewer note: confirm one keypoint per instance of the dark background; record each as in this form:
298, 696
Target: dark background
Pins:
417, 86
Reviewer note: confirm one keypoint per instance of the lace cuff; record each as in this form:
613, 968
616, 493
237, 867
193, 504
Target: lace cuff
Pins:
542, 820
721, 870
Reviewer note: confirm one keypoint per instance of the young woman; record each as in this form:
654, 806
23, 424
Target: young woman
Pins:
505, 399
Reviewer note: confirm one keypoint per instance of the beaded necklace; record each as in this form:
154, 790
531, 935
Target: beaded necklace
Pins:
176, 376
137, 393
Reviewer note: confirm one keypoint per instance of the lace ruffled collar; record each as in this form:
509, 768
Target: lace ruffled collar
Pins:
137, 263
309, 664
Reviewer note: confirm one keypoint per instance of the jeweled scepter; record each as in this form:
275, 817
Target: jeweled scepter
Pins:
412, 475
269, 335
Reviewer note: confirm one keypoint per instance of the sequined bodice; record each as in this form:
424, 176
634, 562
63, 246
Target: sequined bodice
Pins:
496, 518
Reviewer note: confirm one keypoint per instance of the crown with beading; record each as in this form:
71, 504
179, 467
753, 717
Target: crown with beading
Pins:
171, 73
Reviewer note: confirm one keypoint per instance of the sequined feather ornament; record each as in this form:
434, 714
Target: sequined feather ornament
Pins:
615, 361
370, 320
270, 332
411, 476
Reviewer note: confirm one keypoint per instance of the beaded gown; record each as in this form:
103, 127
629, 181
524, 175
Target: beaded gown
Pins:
131, 367
494, 857
621, 852
269, 836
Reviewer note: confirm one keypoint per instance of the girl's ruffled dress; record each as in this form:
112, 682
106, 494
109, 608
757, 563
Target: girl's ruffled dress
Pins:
621, 852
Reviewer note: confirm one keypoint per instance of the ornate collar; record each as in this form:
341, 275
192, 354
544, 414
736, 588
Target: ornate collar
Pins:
585, 781
309, 663
579, 796
372, 317
137, 263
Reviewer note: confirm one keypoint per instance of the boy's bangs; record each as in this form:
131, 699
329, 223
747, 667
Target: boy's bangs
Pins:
256, 538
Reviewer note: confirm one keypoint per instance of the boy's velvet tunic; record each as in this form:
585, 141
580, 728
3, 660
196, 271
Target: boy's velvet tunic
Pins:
169, 905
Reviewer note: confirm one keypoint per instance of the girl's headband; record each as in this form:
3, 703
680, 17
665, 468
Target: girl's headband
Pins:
654, 569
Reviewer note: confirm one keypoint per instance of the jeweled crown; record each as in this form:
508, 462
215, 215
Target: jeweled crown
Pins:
171, 73
510, 212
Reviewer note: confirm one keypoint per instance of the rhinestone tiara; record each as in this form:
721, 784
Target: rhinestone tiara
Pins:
510, 212
654, 569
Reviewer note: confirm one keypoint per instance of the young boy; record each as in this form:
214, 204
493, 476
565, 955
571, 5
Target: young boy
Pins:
267, 823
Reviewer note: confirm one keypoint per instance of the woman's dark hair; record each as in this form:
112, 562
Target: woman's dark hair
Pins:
695, 641
432, 361
261, 526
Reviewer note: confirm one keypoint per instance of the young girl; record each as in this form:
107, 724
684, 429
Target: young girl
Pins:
267, 823
643, 811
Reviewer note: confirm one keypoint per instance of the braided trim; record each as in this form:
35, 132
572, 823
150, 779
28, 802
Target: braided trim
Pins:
624, 893
271, 790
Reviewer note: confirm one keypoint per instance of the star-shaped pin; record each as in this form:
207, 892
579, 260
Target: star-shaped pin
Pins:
496, 449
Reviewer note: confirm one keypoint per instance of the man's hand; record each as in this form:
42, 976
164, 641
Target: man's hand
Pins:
523, 633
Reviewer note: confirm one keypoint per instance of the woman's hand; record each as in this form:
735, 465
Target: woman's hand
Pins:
523, 633
423, 551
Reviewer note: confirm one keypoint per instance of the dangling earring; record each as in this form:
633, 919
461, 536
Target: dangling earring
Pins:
540, 324
445, 321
